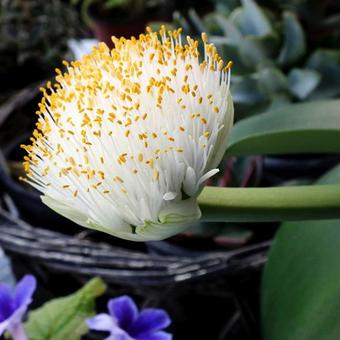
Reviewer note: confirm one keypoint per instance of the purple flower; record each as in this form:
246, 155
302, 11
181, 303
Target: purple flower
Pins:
124, 322
13, 306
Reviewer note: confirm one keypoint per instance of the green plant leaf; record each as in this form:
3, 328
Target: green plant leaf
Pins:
210, 22
294, 45
271, 81
245, 90
251, 19
229, 29
63, 318
302, 82
327, 63
180, 21
196, 21
279, 100
229, 51
255, 50
301, 282
312, 127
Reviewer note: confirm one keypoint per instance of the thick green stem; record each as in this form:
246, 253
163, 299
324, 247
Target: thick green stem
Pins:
270, 204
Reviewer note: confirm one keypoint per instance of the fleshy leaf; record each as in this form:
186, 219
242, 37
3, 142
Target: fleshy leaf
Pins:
229, 29
64, 318
251, 20
302, 82
312, 127
300, 291
294, 45
245, 90
196, 20
271, 81
327, 63
256, 50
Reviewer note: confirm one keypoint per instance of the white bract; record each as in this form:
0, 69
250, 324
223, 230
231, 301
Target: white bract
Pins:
127, 138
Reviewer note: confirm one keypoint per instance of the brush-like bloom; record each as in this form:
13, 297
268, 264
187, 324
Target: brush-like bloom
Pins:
14, 304
124, 322
127, 138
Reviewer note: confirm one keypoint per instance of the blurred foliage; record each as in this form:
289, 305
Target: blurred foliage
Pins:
321, 19
115, 8
105, 7
275, 61
34, 36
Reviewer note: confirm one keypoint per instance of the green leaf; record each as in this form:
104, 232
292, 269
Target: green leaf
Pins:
294, 45
251, 20
213, 28
196, 21
225, 7
229, 29
255, 50
271, 81
312, 127
301, 282
245, 90
180, 21
109, 4
327, 63
302, 82
229, 51
279, 100
63, 318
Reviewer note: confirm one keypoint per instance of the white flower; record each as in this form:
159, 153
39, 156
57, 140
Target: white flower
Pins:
127, 138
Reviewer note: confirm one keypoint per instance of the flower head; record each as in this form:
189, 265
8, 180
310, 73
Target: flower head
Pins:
125, 323
14, 303
127, 138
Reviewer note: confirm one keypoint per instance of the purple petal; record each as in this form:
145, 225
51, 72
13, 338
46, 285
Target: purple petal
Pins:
16, 318
149, 321
122, 336
13, 321
6, 302
157, 336
24, 291
3, 326
102, 322
124, 310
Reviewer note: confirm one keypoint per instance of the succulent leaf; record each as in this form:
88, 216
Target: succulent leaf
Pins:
294, 45
251, 19
302, 82
327, 63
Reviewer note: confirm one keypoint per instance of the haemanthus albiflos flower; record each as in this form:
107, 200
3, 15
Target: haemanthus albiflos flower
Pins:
127, 137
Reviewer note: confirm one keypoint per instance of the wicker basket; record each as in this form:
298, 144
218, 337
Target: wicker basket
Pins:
73, 254
173, 282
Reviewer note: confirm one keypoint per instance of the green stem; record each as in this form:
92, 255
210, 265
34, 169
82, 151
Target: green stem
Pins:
270, 204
